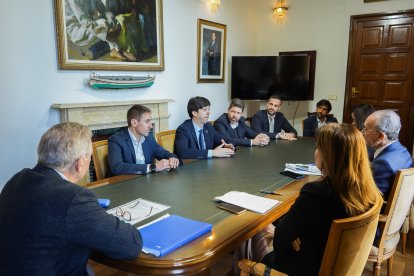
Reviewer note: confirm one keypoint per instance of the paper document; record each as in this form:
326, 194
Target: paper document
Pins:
251, 202
307, 169
137, 210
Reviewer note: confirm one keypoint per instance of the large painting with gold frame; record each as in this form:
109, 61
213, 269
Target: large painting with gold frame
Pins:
211, 51
110, 35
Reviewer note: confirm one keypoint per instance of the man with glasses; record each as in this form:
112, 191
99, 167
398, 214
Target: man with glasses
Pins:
49, 225
196, 138
381, 130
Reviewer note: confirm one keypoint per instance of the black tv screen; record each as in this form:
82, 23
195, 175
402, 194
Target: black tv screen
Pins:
259, 77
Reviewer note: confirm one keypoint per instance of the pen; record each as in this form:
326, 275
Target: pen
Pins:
269, 193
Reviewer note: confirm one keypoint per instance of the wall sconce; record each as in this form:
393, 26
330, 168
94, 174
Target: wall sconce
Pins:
214, 5
280, 8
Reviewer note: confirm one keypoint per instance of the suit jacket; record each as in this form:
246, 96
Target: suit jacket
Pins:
385, 166
310, 219
240, 136
121, 153
260, 123
310, 125
186, 140
49, 226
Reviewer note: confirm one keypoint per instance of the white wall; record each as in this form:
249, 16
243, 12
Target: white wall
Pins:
31, 83
321, 25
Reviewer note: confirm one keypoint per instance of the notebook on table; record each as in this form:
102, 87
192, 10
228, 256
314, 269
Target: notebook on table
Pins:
170, 233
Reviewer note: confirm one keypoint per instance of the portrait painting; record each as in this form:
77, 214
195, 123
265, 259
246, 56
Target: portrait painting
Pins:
211, 51
110, 34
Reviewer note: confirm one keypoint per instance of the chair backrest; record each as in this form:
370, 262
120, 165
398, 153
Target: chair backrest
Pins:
100, 158
399, 202
349, 243
166, 139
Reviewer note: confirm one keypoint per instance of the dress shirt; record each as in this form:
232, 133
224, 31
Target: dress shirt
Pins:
197, 132
139, 154
321, 123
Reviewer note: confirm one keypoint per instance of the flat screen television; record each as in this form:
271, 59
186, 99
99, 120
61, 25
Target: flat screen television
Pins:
259, 77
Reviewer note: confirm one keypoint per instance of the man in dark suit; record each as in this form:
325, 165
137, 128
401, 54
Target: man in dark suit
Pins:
320, 118
196, 138
213, 55
381, 133
272, 122
132, 150
233, 127
49, 225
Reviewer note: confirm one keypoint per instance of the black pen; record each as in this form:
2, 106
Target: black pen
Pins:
269, 193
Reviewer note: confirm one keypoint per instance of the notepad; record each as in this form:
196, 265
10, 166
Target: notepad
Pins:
170, 233
251, 202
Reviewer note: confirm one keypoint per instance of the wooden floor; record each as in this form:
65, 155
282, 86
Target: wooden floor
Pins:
403, 265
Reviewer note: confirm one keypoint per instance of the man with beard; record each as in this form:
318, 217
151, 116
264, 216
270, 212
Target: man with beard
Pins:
196, 138
233, 127
320, 118
271, 122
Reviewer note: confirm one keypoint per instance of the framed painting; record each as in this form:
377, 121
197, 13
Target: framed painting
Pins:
211, 51
110, 35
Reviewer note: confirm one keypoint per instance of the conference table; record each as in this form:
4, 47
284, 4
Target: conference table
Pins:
190, 191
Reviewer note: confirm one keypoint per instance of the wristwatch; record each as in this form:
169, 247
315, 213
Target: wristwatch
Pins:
153, 168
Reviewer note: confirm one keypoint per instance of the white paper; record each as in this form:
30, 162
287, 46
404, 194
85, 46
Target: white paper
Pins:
305, 169
251, 202
139, 209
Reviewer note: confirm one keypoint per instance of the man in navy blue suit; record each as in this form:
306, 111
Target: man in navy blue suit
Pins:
320, 118
196, 138
132, 150
381, 130
233, 127
50, 225
272, 122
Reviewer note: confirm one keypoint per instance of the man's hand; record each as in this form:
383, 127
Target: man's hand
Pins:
224, 150
162, 165
261, 140
296, 244
288, 136
174, 162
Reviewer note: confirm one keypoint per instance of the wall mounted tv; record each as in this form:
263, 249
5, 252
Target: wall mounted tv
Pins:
259, 77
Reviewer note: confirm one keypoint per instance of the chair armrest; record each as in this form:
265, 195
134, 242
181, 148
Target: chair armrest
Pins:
248, 267
383, 218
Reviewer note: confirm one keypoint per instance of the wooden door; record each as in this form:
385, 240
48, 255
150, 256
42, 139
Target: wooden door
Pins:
381, 67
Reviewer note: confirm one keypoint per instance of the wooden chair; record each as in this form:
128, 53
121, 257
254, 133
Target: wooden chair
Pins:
166, 139
100, 158
346, 250
407, 226
399, 202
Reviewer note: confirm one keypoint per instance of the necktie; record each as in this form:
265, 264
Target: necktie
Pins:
201, 140
271, 125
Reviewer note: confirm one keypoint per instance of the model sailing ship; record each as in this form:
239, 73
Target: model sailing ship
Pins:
119, 82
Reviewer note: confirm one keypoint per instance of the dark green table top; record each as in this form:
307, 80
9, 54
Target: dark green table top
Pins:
190, 189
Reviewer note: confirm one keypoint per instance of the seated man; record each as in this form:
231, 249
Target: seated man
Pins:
271, 122
132, 150
49, 225
321, 117
196, 138
232, 126
381, 133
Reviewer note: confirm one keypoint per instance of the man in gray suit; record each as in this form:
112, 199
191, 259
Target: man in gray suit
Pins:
49, 225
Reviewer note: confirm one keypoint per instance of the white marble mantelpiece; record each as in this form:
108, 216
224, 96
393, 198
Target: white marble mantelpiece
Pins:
105, 115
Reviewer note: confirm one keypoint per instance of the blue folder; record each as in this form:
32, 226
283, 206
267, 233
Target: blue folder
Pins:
166, 235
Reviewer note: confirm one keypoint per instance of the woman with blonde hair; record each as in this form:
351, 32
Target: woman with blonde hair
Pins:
346, 189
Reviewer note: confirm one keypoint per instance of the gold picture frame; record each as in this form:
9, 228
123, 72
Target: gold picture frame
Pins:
121, 35
211, 51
